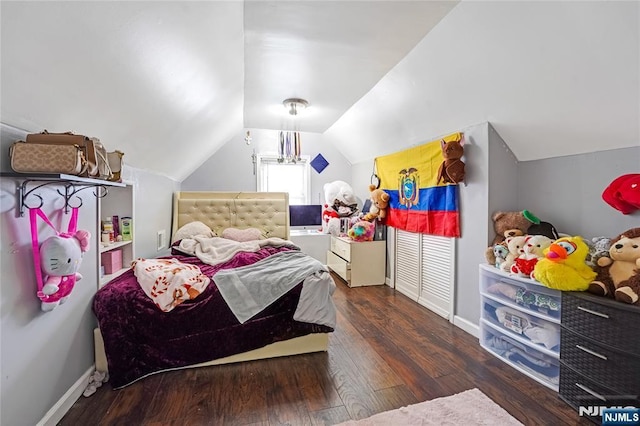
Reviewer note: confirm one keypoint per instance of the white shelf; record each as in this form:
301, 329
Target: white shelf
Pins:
105, 279
113, 246
118, 202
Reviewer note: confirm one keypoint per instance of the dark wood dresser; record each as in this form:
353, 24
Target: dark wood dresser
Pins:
599, 352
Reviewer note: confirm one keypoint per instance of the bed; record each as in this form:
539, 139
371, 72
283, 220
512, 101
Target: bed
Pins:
137, 339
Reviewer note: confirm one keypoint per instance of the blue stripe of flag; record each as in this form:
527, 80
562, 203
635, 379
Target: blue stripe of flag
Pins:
440, 198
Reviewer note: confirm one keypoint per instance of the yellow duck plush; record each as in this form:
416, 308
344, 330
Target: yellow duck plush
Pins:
563, 266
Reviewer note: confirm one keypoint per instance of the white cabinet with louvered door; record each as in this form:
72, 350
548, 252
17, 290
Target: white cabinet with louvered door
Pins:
408, 264
425, 270
438, 270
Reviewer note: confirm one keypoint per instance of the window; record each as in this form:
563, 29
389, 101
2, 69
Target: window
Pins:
274, 176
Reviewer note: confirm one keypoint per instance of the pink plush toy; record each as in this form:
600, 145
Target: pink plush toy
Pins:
362, 231
60, 257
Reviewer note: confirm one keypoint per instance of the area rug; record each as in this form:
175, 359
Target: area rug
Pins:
470, 407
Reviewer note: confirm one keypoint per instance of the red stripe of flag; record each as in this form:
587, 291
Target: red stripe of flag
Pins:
438, 222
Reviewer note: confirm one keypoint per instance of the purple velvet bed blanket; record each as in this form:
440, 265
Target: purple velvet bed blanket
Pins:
140, 339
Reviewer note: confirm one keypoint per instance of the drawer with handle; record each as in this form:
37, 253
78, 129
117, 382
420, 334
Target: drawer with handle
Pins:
579, 391
341, 248
608, 367
606, 321
339, 266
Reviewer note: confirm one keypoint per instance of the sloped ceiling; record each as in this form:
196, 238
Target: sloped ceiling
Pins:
170, 82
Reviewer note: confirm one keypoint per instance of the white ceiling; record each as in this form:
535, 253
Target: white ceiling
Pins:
170, 82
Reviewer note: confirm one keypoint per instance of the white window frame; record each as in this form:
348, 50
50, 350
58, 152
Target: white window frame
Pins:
272, 160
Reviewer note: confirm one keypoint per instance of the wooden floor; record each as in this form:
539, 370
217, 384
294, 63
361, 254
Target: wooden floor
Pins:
386, 352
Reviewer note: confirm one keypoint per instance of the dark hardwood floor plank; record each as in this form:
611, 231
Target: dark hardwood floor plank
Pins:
131, 404
315, 383
369, 363
330, 416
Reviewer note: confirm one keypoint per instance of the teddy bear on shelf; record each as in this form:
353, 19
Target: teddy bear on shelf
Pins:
619, 274
530, 253
452, 168
379, 204
506, 224
515, 246
60, 258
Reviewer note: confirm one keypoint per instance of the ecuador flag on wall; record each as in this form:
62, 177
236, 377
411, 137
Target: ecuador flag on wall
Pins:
418, 203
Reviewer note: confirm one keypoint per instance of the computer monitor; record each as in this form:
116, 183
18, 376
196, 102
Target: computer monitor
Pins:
308, 216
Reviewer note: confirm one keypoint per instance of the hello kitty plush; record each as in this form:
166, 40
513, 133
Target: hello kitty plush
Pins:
60, 257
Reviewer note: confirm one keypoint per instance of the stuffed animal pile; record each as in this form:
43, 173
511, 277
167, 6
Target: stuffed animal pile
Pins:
340, 202
604, 266
513, 224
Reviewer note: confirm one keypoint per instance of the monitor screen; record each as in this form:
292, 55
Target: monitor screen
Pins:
305, 215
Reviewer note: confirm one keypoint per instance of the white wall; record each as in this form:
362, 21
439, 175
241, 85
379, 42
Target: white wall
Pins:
231, 169
553, 77
567, 191
44, 354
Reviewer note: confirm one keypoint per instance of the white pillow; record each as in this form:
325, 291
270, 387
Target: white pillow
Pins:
192, 229
242, 235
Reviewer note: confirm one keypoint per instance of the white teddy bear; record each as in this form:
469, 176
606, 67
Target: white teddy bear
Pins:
340, 202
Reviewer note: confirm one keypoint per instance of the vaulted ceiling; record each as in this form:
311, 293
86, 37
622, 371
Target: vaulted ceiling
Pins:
170, 82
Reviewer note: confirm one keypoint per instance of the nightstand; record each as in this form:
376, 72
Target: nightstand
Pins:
358, 263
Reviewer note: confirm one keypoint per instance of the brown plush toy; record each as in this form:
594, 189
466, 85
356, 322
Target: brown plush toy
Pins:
452, 168
619, 275
379, 203
506, 224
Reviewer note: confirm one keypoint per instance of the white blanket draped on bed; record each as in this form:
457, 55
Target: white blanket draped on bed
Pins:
216, 250
250, 289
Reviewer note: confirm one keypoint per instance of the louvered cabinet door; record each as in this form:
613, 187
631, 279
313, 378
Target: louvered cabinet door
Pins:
437, 274
407, 265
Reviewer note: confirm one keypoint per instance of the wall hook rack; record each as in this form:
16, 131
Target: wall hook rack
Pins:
72, 186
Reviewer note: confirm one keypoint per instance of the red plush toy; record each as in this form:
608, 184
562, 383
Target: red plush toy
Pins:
624, 193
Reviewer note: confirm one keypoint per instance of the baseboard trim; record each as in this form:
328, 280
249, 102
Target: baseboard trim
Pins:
64, 404
467, 326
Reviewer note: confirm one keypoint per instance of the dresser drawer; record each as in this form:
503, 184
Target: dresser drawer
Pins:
607, 367
341, 248
339, 266
577, 391
606, 321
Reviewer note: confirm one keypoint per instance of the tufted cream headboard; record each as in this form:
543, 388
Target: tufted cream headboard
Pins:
267, 211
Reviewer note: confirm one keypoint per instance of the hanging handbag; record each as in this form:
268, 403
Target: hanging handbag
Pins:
102, 161
87, 144
115, 163
39, 158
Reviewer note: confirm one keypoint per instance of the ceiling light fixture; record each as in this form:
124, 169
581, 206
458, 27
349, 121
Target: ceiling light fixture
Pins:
295, 105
